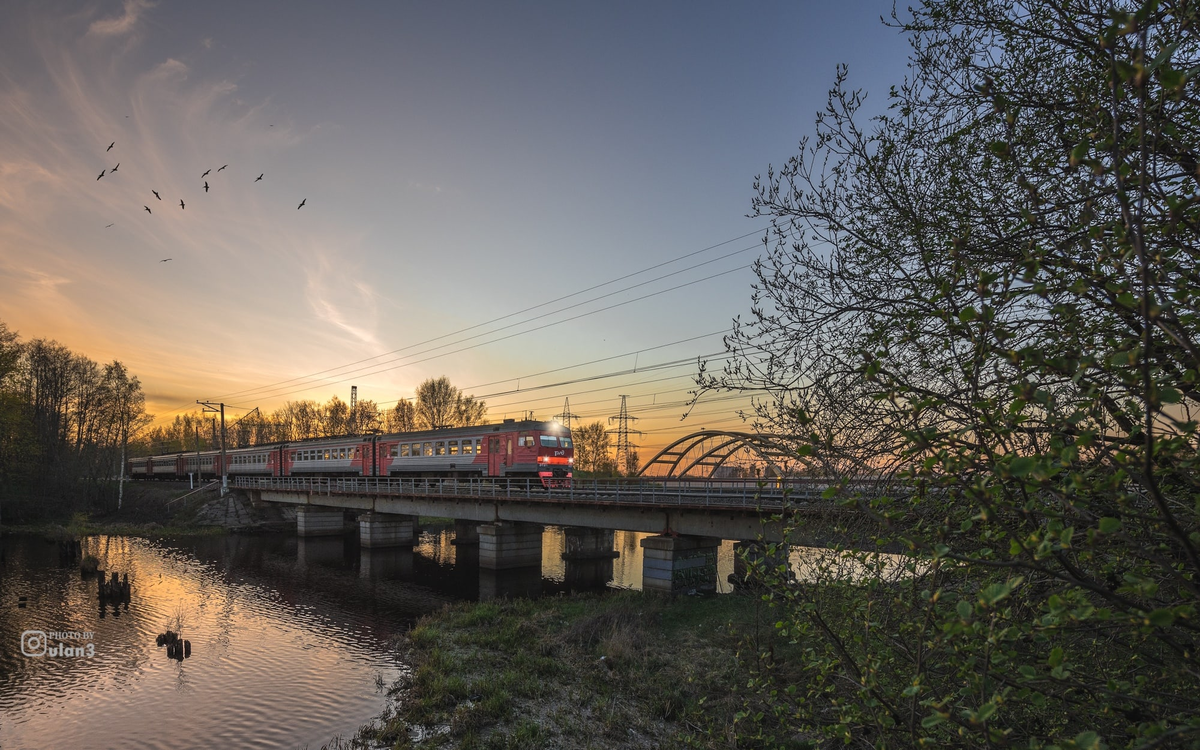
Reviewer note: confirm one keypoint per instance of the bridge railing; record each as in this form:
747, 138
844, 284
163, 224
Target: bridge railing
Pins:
737, 494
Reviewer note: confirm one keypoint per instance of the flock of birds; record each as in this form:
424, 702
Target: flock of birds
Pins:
182, 205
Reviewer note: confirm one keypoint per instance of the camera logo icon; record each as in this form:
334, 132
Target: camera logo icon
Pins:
33, 643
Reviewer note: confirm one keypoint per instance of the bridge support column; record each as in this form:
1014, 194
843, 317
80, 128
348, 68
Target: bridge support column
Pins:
466, 532
752, 559
384, 564
386, 530
588, 544
312, 521
679, 564
510, 545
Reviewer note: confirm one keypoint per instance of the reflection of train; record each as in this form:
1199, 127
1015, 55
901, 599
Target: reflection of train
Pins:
509, 449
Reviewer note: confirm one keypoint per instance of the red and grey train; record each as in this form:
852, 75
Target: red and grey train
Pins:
509, 449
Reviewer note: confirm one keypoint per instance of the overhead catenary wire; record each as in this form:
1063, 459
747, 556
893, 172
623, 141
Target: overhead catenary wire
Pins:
533, 307
274, 386
496, 340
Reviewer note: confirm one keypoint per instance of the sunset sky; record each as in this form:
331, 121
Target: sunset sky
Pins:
463, 166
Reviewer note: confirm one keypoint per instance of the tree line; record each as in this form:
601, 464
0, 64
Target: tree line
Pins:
437, 404
65, 422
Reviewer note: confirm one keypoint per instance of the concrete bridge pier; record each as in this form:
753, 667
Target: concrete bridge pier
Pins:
466, 532
679, 564
515, 583
752, 559
386, 530
385, 563
320, 550
589, 574
510, 545
588, 544
313, 521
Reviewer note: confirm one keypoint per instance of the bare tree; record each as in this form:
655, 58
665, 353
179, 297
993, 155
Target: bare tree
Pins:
402, 417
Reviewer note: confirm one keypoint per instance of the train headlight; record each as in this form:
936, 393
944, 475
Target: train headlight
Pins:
571, 460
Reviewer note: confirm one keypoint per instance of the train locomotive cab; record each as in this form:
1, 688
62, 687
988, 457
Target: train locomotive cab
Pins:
555, 456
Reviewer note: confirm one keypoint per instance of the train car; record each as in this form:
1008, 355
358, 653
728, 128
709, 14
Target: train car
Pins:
204, 461
509, 449
165, 467
336, 457
138, 468
527, 448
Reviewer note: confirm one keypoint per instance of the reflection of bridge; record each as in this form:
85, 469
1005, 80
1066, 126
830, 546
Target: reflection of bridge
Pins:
705, 454
688, 517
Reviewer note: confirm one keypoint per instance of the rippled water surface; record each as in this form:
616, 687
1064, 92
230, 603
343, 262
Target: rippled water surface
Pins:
290, 637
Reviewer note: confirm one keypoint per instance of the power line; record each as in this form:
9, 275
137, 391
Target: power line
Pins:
502, 338
535, 307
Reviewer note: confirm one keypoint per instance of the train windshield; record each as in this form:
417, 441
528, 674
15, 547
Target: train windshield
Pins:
553, 441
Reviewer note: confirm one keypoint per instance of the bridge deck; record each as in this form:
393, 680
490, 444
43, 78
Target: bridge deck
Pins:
743, 496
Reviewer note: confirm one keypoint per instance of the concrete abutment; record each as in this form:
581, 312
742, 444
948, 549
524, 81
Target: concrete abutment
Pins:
679, 564
510, 545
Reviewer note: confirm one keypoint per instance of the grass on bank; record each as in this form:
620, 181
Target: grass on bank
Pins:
617, 670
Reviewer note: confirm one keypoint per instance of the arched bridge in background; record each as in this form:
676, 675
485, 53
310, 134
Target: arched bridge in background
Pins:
711, 454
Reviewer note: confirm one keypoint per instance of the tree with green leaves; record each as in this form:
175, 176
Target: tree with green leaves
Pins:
593, 450
984, 301
440, 404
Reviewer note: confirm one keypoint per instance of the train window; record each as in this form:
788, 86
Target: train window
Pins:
566, 442
426, 449
467, 447
405, 450
394, 450
439, 448
479, 445
453, 447
326, 455
416, 449
525, 441
549, 441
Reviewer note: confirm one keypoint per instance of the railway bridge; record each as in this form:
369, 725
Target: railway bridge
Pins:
687, 518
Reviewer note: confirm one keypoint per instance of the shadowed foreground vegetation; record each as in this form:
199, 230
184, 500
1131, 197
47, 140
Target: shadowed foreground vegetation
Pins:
623, 670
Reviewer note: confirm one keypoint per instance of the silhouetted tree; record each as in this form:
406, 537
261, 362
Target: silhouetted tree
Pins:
987, 295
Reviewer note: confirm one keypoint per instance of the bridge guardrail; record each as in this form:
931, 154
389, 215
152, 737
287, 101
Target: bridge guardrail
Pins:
744, 495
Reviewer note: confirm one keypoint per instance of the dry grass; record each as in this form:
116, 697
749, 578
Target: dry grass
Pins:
622, 670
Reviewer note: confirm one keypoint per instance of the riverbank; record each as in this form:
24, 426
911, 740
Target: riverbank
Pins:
611, 670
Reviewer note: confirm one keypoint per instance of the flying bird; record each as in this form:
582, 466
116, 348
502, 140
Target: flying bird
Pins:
147, 209
156, 195
114, 169
181, 203
206, 186
222, 167
106, 226
101, 173
301, 204
205, 174
110, 147
260, 177
164, 260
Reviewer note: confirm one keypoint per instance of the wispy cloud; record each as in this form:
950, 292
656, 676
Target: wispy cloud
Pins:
345, 302
123, 24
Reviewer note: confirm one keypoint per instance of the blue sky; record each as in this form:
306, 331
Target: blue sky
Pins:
459, 162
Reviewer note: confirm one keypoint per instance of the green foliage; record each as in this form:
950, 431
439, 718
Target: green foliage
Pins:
64, 423
991, 316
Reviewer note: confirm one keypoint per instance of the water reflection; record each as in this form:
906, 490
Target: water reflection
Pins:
284, 654
290, 636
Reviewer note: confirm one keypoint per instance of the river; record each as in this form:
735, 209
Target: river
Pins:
291, 639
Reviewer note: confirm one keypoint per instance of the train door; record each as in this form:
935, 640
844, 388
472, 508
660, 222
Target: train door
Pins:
494, 456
